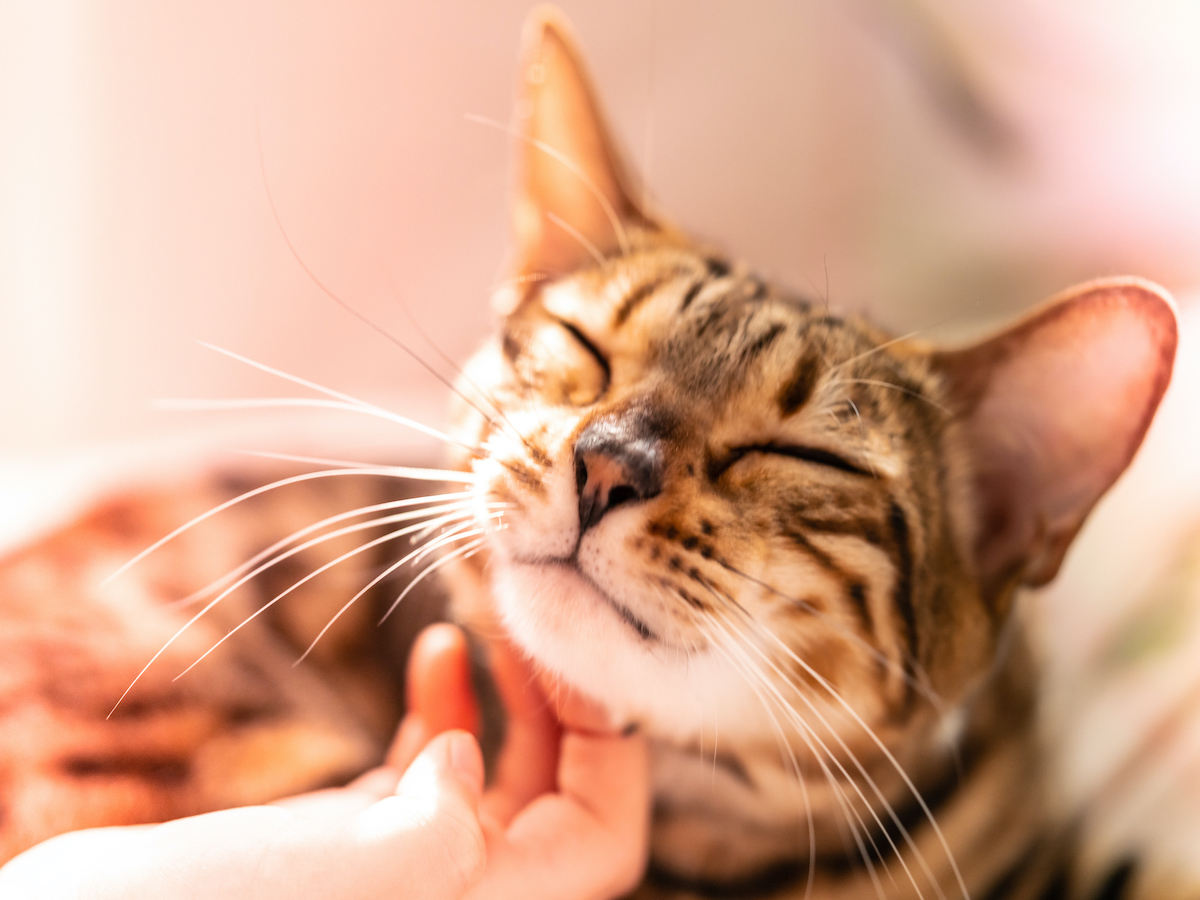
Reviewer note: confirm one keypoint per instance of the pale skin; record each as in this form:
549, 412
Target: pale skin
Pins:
565, 818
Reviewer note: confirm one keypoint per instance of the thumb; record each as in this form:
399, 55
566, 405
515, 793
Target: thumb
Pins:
450, 763
435, 813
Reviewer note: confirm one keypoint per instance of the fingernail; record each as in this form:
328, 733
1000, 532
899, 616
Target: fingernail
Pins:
466, 760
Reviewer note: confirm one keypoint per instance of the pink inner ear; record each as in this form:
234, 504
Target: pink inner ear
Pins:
1060, 404
1079, 396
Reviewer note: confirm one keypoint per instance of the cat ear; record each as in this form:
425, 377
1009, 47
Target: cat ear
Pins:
1053, 410
571, 201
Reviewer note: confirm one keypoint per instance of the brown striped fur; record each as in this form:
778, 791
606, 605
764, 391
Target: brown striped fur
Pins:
245, 726
780, 542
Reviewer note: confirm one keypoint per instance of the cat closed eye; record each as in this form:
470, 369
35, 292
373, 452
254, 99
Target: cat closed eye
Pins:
566, 367
812, 455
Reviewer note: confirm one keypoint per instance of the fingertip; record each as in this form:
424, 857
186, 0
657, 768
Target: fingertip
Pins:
453, 756
439, 638
439, 688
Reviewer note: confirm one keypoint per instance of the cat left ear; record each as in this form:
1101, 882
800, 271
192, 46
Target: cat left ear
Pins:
571, 204
1053, 410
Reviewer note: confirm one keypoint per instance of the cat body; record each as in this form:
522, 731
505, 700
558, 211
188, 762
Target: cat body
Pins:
782, 543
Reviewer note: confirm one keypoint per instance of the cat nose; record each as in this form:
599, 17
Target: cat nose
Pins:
613, 465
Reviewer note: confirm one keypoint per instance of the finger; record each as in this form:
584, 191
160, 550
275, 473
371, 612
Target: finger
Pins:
423, 841
588, 840
440, 696
453, 761
528, 761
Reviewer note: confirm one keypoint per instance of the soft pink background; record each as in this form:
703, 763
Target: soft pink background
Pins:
824, 141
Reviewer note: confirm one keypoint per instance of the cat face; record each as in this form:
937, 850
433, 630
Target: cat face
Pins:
712, 492
692, 460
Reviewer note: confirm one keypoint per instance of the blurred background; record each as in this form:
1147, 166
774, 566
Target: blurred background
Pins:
937, 163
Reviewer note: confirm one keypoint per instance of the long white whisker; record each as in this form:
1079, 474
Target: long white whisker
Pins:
389, 471
287, 376
574, 232
460, 497
895, 387
338, 395
840, 767
202, 404
877, 655
430, 546
807, 735
374, 581
463, 376
437, 564
212, 603
870, 732
390, 536
782, 742
312, 460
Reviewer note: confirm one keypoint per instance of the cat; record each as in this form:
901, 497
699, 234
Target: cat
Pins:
782, 543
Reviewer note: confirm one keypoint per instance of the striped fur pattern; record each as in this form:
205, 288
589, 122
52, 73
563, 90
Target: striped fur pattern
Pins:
246, 726
782, 543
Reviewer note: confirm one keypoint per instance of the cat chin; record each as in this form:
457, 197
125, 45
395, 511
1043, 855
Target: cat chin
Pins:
581, 637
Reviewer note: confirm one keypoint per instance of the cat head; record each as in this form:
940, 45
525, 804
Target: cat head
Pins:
711, 490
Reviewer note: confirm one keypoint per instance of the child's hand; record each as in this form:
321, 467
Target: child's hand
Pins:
566, 818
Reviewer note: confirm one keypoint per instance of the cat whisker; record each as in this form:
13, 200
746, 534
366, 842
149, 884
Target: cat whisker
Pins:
205, 405
388, 471
729, 647
887, 753
445, 513
448, 533
463, 551
462, 497
574, 232
877, 655
784, 747
374, 581
895, 387
610, 213
887, 806
878, 348
916, 332
225, 593
362, 548
487, 398
339, 401
362, 317
814, 741
312, 460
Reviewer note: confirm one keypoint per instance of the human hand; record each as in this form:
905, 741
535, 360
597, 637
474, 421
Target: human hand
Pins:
567, 816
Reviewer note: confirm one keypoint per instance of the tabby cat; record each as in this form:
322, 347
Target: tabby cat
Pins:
783, 544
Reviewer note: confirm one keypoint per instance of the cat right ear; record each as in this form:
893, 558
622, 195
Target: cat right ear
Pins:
571, 202
1052, 411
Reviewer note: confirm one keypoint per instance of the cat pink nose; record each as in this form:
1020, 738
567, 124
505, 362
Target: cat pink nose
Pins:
613, 467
